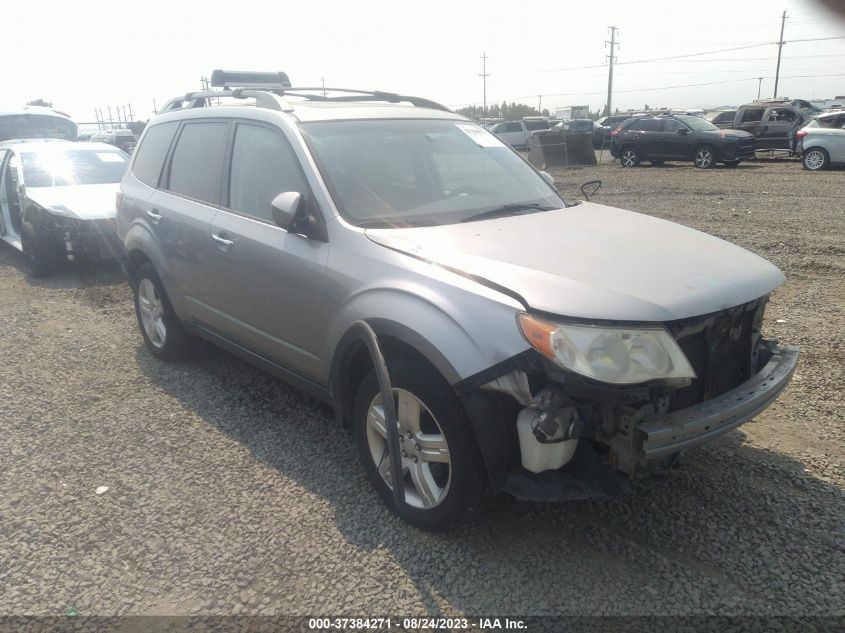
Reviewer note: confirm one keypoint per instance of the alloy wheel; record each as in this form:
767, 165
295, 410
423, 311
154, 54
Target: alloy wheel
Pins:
629, 158
814, 160
152, 313
703, 158
426, 462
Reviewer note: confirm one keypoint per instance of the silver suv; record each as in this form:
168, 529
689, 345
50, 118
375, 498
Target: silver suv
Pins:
538, 346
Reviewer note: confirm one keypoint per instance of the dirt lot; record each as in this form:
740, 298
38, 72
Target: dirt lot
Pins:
229, 492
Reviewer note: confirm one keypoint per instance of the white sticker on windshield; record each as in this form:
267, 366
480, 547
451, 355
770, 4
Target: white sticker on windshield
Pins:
483, 137
110, 157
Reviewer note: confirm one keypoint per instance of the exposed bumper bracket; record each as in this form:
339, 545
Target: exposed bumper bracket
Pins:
681, 430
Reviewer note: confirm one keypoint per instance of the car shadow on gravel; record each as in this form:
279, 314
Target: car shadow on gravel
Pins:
734, 529
69, 275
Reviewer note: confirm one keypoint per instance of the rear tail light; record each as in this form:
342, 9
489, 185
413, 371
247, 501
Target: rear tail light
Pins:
800, 134
616, 131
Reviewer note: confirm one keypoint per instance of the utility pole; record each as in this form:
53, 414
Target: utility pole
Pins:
611, 59
484, 76
540, 105
780, 47
759, 85
323, 80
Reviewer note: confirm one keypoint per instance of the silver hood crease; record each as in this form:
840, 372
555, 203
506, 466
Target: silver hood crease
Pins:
597, 262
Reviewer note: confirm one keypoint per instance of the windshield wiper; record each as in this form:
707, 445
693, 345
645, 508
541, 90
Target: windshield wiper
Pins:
508, 209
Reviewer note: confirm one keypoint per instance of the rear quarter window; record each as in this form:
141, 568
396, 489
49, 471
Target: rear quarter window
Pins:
150, 155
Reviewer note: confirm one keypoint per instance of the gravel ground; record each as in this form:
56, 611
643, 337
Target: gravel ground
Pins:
229, 492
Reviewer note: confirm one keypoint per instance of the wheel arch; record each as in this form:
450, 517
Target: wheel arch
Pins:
142, 247
492, 415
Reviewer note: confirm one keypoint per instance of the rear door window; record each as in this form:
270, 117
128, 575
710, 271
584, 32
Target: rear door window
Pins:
752, 114
263, 166
646, 125
149, 157
671, 126
197, 163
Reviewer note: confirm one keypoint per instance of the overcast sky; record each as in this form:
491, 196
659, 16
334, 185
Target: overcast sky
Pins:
94, 53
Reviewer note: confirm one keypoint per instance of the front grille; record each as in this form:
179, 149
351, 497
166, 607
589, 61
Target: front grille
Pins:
722, 349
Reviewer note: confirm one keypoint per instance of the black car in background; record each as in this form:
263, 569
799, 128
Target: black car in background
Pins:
605, 126
679, 138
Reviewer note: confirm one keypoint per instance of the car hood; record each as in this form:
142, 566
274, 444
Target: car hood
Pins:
85, 202
594, 261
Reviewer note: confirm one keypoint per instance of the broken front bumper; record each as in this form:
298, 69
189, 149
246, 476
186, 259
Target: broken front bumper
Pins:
663, 435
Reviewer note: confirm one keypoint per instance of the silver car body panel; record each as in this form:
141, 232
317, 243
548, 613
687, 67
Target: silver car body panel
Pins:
596, 262
830, 139
84, 202
425, 286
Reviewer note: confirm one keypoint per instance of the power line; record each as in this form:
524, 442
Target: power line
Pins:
696, 85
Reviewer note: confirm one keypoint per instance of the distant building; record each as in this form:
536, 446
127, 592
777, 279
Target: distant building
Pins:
826, 104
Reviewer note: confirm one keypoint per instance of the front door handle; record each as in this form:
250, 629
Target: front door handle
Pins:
223, 241
154, 215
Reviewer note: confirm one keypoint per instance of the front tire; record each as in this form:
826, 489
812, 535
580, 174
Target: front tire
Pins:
160, 327
40, 257
629, 157
815, 159
704, 157
442, 472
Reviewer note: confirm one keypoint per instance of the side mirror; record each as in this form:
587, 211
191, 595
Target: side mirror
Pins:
548, 178
285, 208
683, 131
589, 189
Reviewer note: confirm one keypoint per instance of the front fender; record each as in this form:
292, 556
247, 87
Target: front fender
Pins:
460, 335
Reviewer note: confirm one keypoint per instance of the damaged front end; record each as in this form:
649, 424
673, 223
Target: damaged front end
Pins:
73, 238
574, 435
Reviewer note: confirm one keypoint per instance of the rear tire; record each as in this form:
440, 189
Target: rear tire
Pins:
162, 331
629, 157
815, 159
704, 157
41, 257
438, 494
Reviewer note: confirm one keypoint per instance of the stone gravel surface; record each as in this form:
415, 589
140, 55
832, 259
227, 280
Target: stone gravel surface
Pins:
229, 492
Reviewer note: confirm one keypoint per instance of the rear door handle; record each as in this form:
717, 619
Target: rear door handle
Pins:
223, 241
154, 215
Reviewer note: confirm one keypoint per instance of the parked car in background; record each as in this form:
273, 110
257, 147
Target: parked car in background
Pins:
122, 139
682, 137
605, 126
57, 201
721, 118
516, 133
520, 330
773, 122
822, 141
36, 122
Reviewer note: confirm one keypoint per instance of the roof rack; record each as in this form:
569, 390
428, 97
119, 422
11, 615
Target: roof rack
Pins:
270, 89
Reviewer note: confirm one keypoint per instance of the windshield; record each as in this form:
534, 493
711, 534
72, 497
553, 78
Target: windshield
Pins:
412, 172
697, 124
56, 168
36, 126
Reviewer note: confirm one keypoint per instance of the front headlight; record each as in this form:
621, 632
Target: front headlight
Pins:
621, 356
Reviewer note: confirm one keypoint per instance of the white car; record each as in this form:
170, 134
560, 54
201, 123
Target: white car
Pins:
57, 200
516, 133
822, 141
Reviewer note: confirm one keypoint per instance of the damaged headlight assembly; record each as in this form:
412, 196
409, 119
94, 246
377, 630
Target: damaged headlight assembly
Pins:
615, 355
